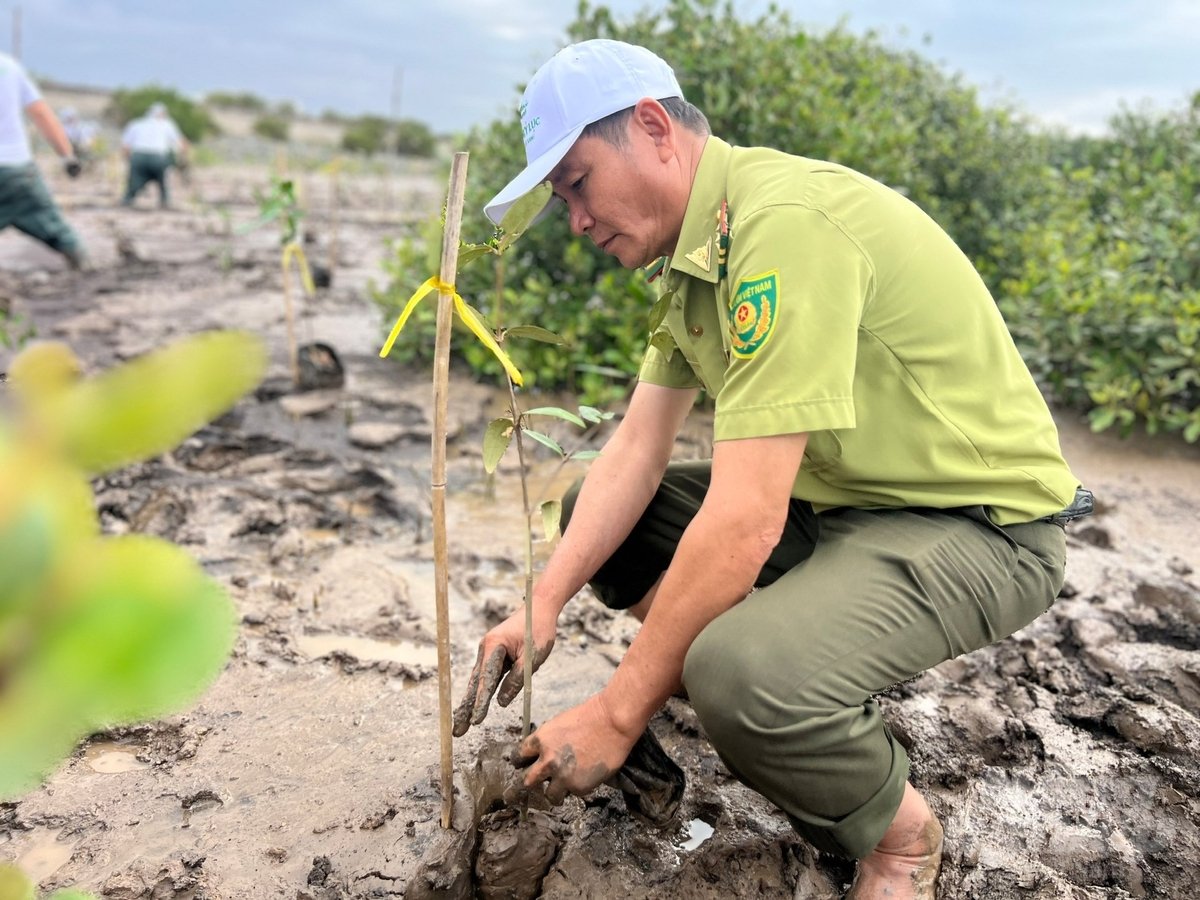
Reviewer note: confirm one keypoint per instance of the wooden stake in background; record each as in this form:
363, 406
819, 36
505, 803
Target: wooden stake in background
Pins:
441, 380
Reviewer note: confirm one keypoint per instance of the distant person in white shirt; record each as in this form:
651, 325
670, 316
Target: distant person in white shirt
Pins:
25, 203
152, 144
80, 132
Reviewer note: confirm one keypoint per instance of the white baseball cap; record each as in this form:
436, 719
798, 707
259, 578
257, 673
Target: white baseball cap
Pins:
579, 85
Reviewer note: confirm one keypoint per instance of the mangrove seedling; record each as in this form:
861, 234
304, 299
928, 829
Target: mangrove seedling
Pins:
280, 204
456, 254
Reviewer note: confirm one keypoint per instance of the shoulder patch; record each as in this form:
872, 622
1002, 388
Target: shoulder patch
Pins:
752, 313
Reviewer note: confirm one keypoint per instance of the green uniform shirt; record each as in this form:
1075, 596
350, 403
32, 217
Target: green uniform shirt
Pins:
842, 310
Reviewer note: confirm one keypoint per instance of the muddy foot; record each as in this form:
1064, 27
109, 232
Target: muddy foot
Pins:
909, 873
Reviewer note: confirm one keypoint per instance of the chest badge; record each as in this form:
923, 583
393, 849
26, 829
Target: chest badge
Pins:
752, 313
702, 255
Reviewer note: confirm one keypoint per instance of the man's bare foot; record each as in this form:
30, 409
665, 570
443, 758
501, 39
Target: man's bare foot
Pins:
905, 864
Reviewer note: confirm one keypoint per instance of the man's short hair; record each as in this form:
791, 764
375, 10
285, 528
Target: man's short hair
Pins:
613, 129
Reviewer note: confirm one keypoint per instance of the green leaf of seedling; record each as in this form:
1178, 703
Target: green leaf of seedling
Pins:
14, 885
148, 405
551, 515
536, 333
593, 415
584, 454
266, 217
558, 413
658, 312
522, 213
70, 894
495, 442
48, 509
468, 253
606, 371
663, 343
543, 439
137, 630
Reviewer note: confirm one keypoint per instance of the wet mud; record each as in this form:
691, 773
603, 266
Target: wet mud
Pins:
1063, 762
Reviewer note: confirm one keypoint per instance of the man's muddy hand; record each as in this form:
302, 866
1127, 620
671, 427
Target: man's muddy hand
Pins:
501, 651
574, 752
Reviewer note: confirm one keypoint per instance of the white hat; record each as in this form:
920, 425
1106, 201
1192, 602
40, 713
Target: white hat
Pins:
579, 85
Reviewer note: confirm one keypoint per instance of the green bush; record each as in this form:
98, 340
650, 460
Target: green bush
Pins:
912, 127
1100, 279
272, 127
242, 100
193, 120
413, 138
1091, 246
366, 134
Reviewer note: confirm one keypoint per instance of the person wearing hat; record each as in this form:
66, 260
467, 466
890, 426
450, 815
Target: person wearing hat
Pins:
886, 489
25, 203
152, 144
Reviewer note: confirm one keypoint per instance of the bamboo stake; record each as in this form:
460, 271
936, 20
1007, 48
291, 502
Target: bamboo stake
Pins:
290, 316
333, 228
441, 379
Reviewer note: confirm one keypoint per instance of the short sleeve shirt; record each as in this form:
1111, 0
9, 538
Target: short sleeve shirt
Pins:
17, 91
151, 134
806, 297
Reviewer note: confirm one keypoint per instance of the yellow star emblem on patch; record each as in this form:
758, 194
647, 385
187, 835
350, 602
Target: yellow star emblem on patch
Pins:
702, 255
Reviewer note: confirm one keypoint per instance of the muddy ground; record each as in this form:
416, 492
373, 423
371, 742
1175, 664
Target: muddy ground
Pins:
1064, 761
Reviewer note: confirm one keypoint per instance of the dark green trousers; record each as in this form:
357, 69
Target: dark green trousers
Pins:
26, 205
851, 603
146, 168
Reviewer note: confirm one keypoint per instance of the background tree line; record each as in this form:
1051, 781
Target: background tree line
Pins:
1090, 245
360, 134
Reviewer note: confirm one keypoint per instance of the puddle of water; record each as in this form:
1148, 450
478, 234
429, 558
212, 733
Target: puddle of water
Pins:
699, 831
368, 649
111, 759
45, 856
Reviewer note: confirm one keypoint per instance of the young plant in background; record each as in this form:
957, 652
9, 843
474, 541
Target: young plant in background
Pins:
280, 204
99, 631
333, 169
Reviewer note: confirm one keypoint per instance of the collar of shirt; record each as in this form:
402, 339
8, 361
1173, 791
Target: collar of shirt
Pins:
699, 236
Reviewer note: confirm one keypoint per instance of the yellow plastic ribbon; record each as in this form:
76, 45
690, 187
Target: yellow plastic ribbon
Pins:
468, 318
296, 252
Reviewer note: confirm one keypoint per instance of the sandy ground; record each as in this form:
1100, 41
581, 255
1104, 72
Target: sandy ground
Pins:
1063, 761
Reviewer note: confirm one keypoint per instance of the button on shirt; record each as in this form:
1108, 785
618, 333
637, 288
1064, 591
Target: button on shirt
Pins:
844, 311
17, 91
151, 134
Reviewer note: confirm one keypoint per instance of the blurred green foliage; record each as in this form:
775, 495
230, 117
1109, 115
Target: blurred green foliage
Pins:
375, 134
241, 100
14, 885
411, 137
99, 631
1099, 275
272, 126
192, 118
366, 134
1091, 246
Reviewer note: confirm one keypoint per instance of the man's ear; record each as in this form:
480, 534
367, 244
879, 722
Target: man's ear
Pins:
651, 119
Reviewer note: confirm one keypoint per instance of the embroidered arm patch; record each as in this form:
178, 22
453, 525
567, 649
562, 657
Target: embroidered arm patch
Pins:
752, 313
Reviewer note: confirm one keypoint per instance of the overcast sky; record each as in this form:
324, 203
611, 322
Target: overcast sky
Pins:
1067, 62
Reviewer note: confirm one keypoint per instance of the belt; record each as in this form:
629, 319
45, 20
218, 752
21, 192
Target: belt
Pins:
1084, 504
